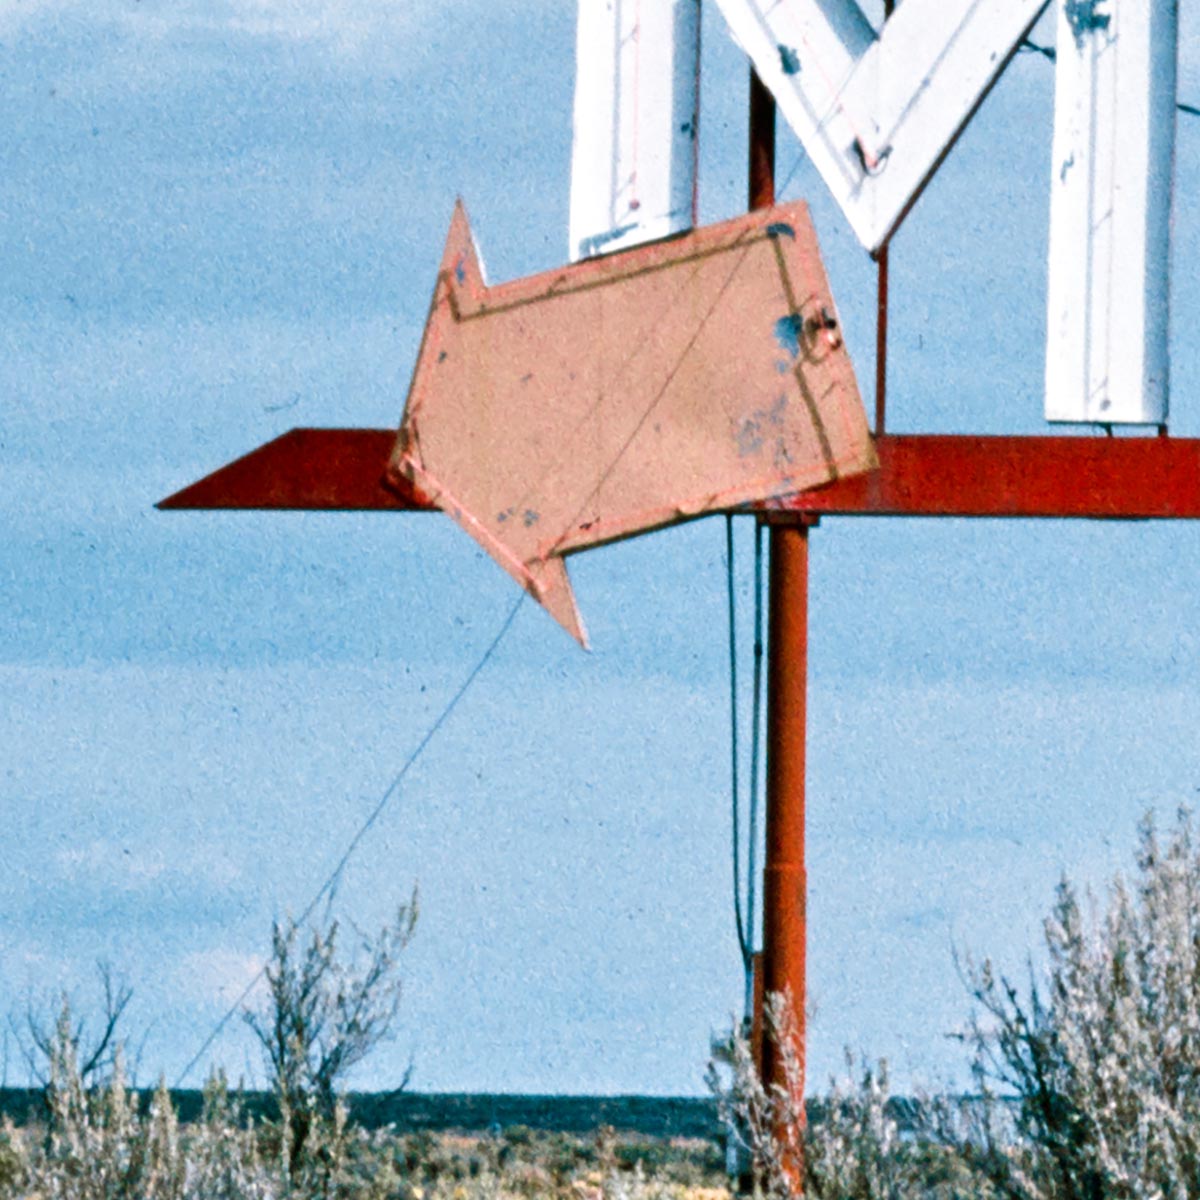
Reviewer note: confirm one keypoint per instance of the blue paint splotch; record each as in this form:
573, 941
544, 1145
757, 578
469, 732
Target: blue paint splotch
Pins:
789, 60
780, 229
460, 272
749, 437
1084, 19
787, 333
752, 432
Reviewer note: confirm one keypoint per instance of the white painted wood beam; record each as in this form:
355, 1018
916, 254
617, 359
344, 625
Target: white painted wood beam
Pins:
1110, 212
633, 167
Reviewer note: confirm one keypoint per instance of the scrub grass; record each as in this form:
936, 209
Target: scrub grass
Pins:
112, 1152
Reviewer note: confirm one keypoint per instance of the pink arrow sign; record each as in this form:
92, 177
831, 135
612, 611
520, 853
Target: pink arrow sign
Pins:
625, 393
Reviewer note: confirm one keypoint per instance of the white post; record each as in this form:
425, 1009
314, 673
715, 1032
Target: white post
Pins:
633, 168
1110, 212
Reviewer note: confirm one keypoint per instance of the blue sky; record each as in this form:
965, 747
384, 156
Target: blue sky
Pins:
220, 220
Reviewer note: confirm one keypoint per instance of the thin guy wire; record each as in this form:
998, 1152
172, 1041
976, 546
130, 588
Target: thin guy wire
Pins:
755, 734
332, 879
735, 790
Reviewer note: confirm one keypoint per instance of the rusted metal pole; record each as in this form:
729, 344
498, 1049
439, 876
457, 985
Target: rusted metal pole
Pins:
881, 315
881, 340
784, 880
762, 144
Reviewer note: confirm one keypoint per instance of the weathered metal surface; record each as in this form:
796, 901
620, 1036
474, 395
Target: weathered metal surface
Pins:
919, 475
878, 113
637, 92
628, 392
1107, 355
315, 469
927, 475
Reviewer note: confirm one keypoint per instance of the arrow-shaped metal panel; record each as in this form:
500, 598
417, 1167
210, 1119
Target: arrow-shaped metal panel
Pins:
628, 392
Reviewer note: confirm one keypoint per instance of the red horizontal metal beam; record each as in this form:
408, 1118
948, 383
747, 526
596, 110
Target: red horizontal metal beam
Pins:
920, 475
319, 469
933, 475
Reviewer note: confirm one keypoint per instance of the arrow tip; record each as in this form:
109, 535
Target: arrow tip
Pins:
462, 264
551, 588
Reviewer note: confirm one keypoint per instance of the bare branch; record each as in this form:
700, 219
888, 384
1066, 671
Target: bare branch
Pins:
324, 1014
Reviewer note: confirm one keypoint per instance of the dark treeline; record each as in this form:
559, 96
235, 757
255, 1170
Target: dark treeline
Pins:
654, 1116
414, 1112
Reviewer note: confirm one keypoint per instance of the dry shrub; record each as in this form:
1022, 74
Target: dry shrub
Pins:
98, 1145
850, 1142
324, 1013
1103, 1056
1088, 1077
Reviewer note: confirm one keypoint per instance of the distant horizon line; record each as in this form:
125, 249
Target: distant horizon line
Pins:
501, 1114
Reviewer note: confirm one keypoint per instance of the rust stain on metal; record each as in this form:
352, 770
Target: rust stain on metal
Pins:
622, 394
